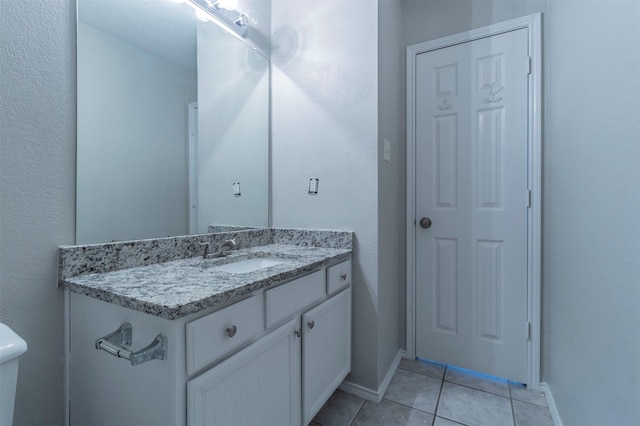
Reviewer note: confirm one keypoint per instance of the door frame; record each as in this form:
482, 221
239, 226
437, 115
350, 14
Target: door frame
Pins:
533, 25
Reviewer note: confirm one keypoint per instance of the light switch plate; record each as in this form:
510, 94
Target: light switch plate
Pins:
313, 186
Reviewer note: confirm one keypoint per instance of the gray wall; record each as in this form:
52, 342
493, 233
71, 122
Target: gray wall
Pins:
591, 193
338, 89
592, 207
324, 124
430, 19
391, 185
37, 187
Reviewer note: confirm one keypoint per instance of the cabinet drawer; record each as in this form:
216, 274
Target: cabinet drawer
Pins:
285, 300
217, 334
338, 276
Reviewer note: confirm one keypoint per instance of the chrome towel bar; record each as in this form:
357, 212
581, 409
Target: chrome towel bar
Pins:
115, 344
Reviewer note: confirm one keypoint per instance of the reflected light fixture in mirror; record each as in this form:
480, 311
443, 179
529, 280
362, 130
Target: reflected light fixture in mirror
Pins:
227, 4
224, 13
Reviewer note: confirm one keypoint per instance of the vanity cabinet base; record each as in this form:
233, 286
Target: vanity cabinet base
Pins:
261, 374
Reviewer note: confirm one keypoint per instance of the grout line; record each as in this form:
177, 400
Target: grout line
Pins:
422, 374
471, 387
453, 421
479, 390
435, 410
407, 406
513, 410
358, 412
459, 423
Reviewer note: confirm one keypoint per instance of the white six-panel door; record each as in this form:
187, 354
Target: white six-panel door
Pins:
471, 182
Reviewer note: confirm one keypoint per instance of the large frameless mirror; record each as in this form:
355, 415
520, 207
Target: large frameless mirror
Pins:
173, 124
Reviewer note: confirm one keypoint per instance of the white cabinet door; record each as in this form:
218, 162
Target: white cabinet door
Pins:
326, 351
260, 385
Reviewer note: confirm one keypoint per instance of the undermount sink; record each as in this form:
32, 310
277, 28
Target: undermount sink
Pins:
249, 265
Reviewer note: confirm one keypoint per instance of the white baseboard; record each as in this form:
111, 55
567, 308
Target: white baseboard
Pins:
555, 416
370, 394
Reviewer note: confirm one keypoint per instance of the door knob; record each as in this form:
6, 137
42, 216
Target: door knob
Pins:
425, 222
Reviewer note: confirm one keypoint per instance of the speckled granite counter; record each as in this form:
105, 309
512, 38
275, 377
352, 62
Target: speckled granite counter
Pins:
173, 289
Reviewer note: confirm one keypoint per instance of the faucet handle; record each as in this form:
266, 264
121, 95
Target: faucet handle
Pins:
206, 248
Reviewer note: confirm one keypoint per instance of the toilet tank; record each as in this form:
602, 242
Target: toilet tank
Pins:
11, 347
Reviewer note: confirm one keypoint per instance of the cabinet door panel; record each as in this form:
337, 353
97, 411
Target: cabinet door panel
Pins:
258, 386
326, 351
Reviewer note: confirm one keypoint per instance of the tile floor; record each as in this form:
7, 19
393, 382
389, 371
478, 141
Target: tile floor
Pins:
425, 393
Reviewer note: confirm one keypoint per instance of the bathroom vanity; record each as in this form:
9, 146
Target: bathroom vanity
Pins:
262, 336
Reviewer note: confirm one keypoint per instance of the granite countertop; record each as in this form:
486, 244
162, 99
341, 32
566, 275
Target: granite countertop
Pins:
178, 288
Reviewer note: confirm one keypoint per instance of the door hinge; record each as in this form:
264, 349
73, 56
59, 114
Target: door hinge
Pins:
529, 65
528, 331
528, 198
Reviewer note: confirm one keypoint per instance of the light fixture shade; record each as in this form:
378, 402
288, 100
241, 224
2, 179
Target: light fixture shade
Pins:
231, 20
227, 4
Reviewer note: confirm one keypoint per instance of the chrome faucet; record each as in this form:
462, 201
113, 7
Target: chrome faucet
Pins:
225, 248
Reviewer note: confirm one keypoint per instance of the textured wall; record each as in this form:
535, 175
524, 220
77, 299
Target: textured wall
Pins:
324, 124
430, 19
37, 187
592, 206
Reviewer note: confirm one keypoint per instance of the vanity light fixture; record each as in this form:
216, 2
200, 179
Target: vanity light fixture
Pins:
223, 13
227, 4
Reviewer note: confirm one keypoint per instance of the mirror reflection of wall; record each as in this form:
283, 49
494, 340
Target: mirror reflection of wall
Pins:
155, 85
231, 128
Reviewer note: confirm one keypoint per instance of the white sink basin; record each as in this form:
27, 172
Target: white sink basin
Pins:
249, 265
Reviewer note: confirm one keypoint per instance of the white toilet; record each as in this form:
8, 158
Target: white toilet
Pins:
11, 347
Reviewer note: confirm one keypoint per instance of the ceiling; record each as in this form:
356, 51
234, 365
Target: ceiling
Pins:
164, 28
